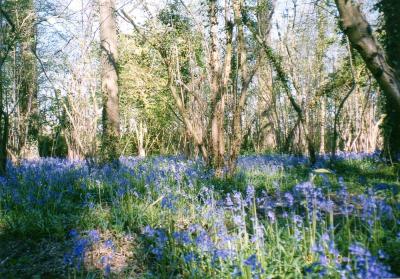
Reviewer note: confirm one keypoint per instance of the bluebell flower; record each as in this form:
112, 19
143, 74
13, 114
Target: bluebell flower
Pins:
121, 192
194, 228
357, 249
168, 202
238, 220
228, 201
238, 199
325, 237
148, 231
80, 246
326, 205
323, 260
252, 262
73, 233
289, 199
368, 266
332, 249
271, 216
258, 234
297, 220
94, 236
221, 254
161, 238
250, 192
158, 252
107, 270
182, 237
189, 257
67, 259
203, 242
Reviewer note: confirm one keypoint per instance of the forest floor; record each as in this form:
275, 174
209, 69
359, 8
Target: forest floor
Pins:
167, 217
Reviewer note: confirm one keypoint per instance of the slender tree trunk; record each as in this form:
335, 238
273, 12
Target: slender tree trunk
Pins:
217, 96
3, 131
109, 81
282, 76
341, 105
140, 135
3, 146
322, 126
28, 126
245, 78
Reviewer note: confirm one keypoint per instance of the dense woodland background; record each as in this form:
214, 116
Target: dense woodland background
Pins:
209, 79
199, 139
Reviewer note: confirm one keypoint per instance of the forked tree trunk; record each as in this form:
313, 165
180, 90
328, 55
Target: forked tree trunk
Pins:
109, 80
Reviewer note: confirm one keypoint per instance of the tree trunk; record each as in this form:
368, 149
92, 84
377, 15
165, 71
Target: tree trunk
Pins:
29, 118
391, 126
28, 122
282, 76
140, 136
245, 78
341, 104
359, 32
217, 96
323, 124
109, 81
4, 127
3, 146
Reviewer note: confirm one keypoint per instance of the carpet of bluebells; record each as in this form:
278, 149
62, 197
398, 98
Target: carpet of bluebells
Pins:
168, 217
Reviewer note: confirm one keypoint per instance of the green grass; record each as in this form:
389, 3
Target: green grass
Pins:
34, 239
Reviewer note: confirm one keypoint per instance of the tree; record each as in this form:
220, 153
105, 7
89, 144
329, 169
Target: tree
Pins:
147, 122
28, 110
289, 84
203, 83
18, 76
360, 35
391, 27
8, 36
109, 80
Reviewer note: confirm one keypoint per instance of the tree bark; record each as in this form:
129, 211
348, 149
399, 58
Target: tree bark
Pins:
217, 96
359, 32
391, 125
322, 125
28, 98
245, 77
4, 127
109, 81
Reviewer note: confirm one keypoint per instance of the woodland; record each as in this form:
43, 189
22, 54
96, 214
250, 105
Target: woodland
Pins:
199, 139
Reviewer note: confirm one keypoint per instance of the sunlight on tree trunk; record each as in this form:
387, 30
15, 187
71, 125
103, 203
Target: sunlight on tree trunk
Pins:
109, 80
